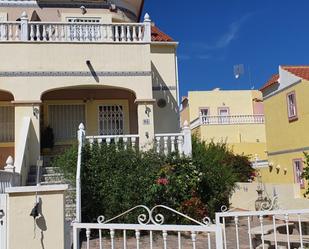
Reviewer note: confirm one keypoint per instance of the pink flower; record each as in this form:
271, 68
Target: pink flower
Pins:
162, 181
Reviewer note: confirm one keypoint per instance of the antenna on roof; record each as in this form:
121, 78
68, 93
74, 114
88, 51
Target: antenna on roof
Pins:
239, 70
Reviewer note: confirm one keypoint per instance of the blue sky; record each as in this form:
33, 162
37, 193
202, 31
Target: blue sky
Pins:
214, 35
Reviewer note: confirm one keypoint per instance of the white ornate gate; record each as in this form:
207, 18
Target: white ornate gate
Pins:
3, 218
150, 231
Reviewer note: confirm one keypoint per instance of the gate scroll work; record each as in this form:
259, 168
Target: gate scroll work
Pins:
150, 231
265, 229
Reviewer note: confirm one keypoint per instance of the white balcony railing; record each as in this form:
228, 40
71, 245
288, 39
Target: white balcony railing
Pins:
228, 120
26, 30
127, 140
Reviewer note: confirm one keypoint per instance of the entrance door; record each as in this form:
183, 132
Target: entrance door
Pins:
3, 218
111, 120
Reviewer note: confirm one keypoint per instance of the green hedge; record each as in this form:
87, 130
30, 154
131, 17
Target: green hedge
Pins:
115, 179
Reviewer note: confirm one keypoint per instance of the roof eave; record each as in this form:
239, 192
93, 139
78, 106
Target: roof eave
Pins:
169, 43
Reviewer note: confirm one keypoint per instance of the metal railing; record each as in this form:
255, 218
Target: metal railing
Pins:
149, 231
261, 229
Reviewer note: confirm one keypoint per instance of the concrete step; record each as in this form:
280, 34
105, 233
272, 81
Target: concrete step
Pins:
55, 177
52, 176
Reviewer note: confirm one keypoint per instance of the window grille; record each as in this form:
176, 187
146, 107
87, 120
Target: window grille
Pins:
111, 120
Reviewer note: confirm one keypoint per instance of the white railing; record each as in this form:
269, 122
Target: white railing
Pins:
127, 140
261, 229
26, 30
228, 120
8, 176
10, 31
150, 229
175, 142
22, 162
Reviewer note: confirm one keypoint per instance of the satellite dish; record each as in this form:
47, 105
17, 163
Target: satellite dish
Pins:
238, 70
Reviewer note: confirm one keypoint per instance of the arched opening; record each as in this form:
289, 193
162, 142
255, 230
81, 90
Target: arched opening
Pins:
103, 110
7, 127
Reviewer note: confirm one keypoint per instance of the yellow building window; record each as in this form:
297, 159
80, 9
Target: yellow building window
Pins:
292, 109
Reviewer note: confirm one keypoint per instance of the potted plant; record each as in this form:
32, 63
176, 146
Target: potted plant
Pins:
47, 137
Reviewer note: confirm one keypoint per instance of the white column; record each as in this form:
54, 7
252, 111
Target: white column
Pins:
147, 31
24, 27
187, 143
145, 123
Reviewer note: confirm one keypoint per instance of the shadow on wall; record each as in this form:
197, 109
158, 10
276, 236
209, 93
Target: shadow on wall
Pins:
166, 110
41, 222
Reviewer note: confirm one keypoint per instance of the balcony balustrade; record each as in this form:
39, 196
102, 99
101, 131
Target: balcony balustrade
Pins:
27, 31
228, 120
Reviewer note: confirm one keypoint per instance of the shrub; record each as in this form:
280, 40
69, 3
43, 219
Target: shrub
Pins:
115, 179
306, 171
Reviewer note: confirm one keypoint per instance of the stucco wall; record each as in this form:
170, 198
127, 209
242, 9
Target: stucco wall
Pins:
164, 83
288, 196
282, 134
286, 173
243, 138
286, 140
47, 231
57, 58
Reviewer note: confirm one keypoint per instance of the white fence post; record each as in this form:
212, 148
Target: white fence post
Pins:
80, 136
147, 31
187, 143
24, 27
219, 230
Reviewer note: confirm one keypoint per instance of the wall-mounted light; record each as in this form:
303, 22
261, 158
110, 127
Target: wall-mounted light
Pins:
147, 110
278, 167
285, 170
113, 7
36, 111
83, 9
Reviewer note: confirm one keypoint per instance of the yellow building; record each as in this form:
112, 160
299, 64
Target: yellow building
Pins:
234, 117
94, 62
286, 106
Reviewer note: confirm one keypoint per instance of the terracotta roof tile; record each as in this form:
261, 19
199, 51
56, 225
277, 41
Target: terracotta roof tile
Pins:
158, 36
300, 71
273, 80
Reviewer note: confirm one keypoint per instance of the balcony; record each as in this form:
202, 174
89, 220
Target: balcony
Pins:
64, 32
228, 120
